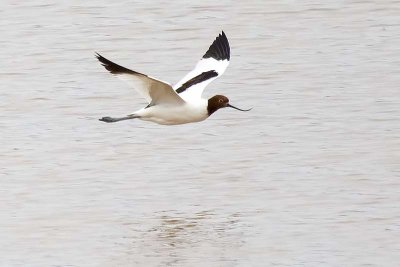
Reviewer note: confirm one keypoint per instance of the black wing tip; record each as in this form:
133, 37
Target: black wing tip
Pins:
107, 64
113, 67
219, 49
99, 57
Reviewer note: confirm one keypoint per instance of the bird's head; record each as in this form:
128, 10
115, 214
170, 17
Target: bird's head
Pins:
220, 101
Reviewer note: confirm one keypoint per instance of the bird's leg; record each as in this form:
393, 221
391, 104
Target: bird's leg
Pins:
110, 119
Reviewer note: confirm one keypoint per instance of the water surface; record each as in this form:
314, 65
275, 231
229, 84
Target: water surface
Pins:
309, 177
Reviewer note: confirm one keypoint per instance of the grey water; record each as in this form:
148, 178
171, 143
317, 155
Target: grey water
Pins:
309, 177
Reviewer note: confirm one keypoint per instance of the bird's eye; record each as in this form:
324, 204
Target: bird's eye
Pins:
221, 101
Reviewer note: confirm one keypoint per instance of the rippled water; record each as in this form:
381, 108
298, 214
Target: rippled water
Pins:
309, 177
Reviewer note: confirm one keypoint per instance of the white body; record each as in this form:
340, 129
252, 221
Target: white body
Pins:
175, 114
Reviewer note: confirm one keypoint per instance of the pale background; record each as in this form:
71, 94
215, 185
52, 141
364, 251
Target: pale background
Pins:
309, 177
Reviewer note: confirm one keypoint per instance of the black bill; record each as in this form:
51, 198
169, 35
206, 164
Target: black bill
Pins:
229, 105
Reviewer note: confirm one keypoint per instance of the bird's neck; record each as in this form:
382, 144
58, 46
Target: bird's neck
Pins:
211, 107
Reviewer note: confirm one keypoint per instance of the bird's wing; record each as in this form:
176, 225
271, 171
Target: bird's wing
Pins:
153, 90
211, 66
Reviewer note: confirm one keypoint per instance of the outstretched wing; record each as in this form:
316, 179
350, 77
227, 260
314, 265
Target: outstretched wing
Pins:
153, 90
211, 66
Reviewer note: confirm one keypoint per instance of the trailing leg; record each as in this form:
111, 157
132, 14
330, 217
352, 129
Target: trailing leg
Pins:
110, 119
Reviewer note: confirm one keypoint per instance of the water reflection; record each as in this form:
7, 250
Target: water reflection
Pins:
175, 230
182, 238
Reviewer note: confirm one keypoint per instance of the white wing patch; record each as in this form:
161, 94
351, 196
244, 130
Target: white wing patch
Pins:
211, 66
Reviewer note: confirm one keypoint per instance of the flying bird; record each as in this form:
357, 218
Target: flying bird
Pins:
183, 102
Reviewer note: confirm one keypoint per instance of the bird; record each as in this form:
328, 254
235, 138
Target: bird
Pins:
183, 102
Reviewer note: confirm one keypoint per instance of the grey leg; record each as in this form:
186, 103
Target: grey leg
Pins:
110, 119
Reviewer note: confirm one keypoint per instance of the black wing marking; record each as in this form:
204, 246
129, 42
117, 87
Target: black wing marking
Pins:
197, 79
115, 68
219, 49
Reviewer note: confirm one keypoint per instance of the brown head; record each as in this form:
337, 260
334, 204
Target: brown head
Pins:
220, 101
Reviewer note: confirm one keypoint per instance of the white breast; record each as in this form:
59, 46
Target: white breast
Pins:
175, 114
